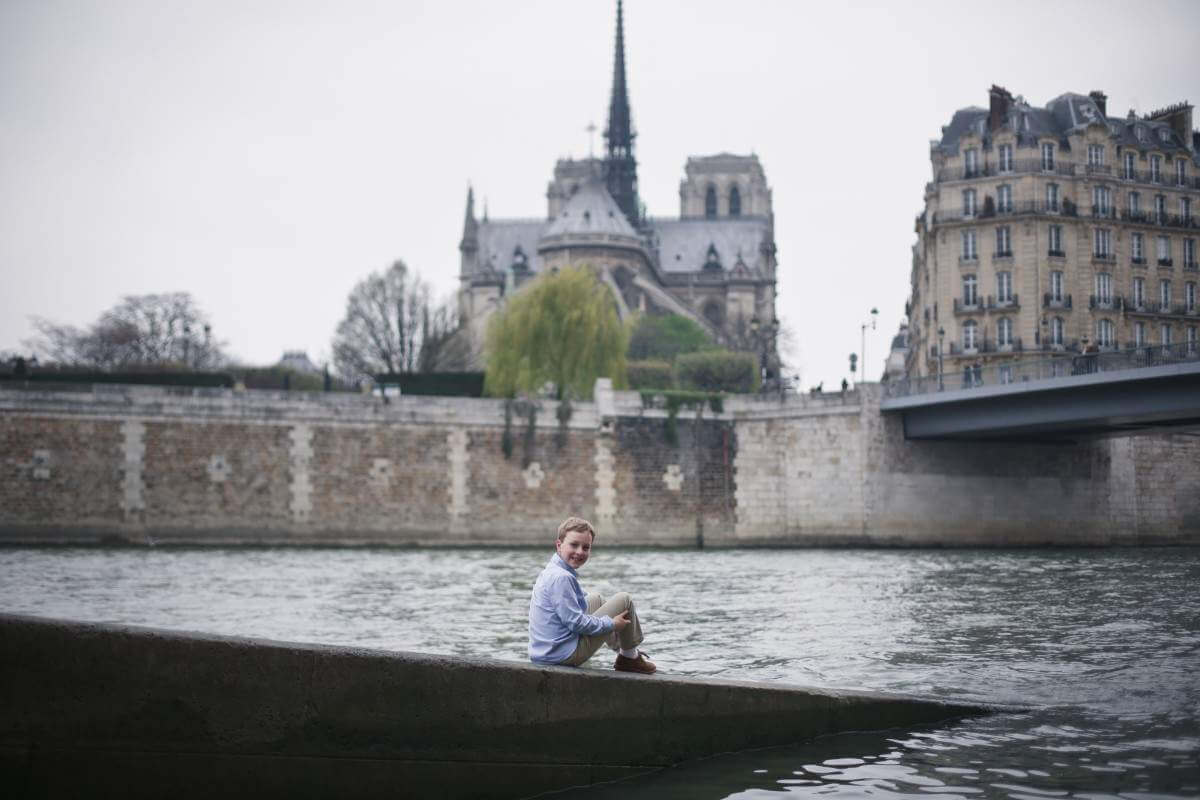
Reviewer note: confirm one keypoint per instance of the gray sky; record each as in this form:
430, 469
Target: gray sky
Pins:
265, 156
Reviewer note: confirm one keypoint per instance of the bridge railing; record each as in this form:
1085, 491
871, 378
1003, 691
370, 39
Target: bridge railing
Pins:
1026, 371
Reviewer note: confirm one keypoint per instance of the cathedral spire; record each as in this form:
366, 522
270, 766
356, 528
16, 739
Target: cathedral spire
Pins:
620, 165
470, 237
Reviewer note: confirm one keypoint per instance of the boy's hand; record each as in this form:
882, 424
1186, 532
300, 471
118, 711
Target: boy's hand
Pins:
620, 621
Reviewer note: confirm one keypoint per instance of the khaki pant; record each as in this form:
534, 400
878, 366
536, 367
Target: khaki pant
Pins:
627, 639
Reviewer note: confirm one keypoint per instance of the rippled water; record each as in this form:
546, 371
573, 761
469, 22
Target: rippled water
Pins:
1105, 644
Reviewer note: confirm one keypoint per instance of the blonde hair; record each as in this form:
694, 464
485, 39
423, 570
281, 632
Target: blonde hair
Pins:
573, 524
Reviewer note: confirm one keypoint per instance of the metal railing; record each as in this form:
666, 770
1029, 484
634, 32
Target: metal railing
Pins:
1000, 374
1026, 166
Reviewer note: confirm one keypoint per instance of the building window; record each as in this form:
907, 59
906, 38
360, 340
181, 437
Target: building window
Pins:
971, 163
1139, 292
1135, 204
1139, 334
1103, 243
1056, 331
1055, 237
1047, 156
1052, 197
1185, 209
1129, 173
1103, 287
1004, 199
1156, 169
1101, 201
1003, 241
1189, 253
1191, 338
1004, 336
969, 252
1137, 244
1164, 334
1095, 155
1189, 297
1105, 333
1140, 132
1056, 286
710, 202
735, 202
1164, 295
969, 338
1164, 251
1180, 172
968, 202
1006, 158
1003, 287
1160, 209
970, 290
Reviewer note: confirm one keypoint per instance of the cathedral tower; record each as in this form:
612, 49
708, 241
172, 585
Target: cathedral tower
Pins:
620, 167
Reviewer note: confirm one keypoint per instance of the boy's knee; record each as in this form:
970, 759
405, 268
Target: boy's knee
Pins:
624, 598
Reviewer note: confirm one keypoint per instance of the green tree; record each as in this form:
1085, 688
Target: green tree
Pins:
664, 336
562, 329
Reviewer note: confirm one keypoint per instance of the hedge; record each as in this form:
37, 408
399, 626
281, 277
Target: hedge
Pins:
717, 371
140, 378
650, 374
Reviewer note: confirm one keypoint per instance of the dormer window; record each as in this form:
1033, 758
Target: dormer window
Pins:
735, 202
1140, 133
1006, 158
712, 261
710, 202
970, 163
520, 261
1164, 134
1047, 156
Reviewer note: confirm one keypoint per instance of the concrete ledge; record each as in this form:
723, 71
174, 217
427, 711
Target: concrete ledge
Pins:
98, 710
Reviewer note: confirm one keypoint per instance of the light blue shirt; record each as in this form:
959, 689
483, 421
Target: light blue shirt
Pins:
558, 614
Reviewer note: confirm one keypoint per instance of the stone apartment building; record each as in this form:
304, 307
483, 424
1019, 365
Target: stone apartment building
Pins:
715, 263
1052, 230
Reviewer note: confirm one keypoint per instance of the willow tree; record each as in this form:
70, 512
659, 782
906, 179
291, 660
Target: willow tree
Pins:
561, 329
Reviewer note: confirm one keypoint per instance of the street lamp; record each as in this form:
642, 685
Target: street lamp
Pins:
941, 338
863, 349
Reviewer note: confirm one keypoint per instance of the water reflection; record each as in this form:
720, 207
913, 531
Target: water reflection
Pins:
1105, 642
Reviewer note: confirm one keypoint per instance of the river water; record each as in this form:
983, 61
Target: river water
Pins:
1103, 644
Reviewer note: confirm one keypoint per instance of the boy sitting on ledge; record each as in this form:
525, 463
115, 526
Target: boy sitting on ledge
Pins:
565, 626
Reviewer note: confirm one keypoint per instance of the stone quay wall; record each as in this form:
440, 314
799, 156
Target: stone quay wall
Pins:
199, 466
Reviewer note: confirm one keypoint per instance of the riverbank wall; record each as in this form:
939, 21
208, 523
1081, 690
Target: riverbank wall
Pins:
90, 710
154, 465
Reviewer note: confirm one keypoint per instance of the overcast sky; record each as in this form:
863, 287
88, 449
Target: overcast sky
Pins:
265, 156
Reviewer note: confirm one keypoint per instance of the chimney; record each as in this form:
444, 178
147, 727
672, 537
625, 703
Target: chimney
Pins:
1000, 100
1101, 101
1179, 117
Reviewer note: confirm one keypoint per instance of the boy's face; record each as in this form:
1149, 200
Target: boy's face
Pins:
574, 548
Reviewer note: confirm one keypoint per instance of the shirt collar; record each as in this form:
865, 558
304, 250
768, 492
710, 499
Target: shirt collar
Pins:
557, 559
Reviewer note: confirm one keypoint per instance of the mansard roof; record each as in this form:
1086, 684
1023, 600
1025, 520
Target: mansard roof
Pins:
1067, 114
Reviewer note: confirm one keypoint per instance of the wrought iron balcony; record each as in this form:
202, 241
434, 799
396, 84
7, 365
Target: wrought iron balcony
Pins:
1104, 303
961, 306
1104, 212
1062, 301
1166, 262
1056, 253
1099, 169
1010, 302
1137, 262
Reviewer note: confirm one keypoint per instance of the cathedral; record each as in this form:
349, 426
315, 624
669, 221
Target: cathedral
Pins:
714, 263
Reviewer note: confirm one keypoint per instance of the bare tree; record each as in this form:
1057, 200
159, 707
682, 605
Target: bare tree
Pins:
391, 326
150, 330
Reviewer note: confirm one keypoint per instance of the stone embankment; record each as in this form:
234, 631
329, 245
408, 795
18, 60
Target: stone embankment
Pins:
90, 710
150, 465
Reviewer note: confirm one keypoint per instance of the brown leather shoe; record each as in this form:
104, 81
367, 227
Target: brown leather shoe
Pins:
640, 664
